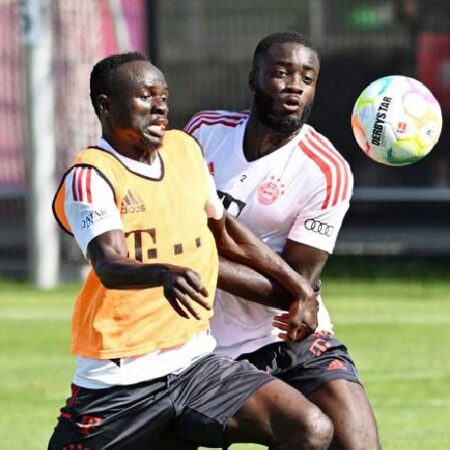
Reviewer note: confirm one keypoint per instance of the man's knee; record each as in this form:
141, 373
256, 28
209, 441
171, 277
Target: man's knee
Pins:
281, 417
319, 429
304, 426
313, 430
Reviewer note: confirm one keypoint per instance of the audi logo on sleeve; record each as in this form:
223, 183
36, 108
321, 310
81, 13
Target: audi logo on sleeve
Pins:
319, 227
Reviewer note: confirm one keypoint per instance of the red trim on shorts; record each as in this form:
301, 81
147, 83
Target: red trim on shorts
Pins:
75, 390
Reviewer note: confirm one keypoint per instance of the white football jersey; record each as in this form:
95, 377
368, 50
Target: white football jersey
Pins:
300, 191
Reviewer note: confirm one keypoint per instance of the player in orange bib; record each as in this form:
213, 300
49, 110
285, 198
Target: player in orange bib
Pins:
144, 211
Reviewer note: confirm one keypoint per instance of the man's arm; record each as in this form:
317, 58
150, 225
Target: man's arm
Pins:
247, 283
306, 260
237, 243
252, 285
182, 286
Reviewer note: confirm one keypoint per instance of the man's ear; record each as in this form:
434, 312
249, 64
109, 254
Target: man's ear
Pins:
252, 80
103, 105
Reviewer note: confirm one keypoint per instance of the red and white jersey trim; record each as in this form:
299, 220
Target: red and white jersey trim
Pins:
81, 184
215, 117
335, 169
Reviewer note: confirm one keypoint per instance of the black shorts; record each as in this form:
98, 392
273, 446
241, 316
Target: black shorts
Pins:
201, 399
306, 365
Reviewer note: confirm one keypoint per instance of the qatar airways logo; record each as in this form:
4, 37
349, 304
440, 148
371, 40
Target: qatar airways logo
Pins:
92, 218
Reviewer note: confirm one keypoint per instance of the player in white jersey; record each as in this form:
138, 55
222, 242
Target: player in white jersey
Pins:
289, 184
300, 192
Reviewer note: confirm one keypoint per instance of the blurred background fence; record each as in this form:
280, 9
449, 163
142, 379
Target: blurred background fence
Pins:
205, 49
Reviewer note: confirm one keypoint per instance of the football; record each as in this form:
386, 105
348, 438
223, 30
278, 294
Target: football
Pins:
396, 120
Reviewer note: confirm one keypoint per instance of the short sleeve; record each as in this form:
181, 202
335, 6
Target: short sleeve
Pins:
214, 207
319, 228
89, 205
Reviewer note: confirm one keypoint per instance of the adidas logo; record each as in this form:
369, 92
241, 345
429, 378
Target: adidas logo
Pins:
336, 365
131, 204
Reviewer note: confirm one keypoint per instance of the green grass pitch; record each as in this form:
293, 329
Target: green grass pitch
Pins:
397, 330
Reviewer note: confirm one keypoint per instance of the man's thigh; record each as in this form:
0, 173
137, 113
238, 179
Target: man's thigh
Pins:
321, 368
203, 398
279, 416
121, 417
347, 405
209, 394
235, 402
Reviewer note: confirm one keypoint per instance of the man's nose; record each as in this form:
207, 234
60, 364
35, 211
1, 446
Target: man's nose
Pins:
295, 83
159, 105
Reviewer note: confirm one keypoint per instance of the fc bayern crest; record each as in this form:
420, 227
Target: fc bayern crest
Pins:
269, 191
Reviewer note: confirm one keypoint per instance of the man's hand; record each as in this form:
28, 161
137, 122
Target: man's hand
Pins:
300, 322
183, 289
182, 286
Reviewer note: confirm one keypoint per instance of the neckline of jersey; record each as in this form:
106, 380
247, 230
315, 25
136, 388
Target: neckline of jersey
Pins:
263, 159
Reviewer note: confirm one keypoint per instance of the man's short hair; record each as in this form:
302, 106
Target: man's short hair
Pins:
265, 44
102, 80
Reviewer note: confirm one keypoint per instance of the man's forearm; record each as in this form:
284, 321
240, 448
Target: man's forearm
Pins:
122, 273
182, 287
247, 283
240, 245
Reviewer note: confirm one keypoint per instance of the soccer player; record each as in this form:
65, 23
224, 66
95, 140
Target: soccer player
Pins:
289, 184
138, 206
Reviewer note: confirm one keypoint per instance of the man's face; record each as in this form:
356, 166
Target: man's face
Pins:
284, 85
139, 105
